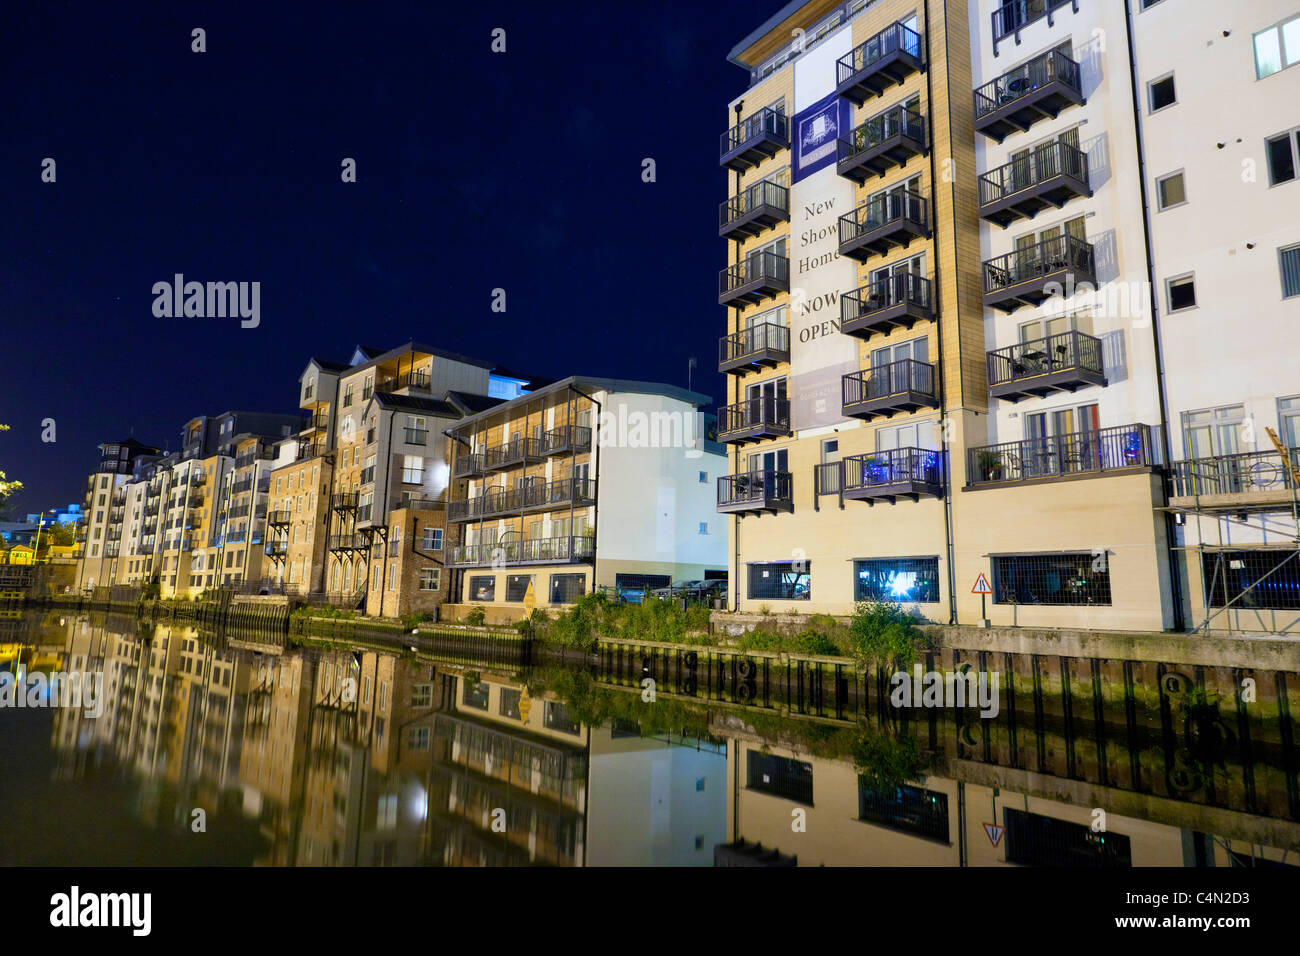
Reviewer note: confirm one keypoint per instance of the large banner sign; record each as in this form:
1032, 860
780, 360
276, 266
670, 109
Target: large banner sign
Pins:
819, 353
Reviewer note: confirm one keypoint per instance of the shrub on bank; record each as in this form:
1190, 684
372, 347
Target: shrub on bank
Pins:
884, 633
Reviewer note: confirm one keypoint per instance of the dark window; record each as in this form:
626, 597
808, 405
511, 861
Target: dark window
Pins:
906, 809
1162, 93
509, 705
622, 727
1230, 574
1182, 294
483, 587
1080, 578
1036, 840
476, 695
715, 575
1281, 158
780, 581
1290, 263
897, 579
780, 776
557, 718
567, 588
517, 586
639, 582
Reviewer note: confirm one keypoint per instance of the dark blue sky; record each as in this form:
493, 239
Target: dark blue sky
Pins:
475, 171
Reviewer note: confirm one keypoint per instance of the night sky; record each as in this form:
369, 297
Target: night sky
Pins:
475, 170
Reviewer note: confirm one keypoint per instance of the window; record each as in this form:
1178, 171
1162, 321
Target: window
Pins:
704, 477
1289, 261
1288, 420
347, 396
782, 777
830, 451
483, 587
896, 579
1161, 93
1036, 840
412, 469
1277, 47
1253, 579
704, 527
422, 695
431, 539
1182, 293
1061, 579
780, 581
557, 718
374, 579
517, 586
913, 810
1171, 191
419, 738
387, 817
392, 575
475, 694
509, 703
1280, 151
567, 588
430, 579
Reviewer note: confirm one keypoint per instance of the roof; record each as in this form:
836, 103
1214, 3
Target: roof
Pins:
130, 443
415, 403
768, 25
327, 366
365, 356
471, 404
589, 383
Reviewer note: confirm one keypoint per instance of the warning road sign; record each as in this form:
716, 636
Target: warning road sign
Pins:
992, 829
981, 585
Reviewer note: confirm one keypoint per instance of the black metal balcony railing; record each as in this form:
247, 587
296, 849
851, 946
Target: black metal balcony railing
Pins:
364, 512
417, 436
1031, 274
320, 420
1104, 449
1051, 175
309, 450
347, 542
278, 517
237, 537
1241, 474
755, 492
241, 512
754, 419
242, 485
882, 222
897, 301
893, 473
1013, 15
885, 60
467, 464
760, 275
537, 495
514, 452
344, 501
1036, 90
525, 551
567, 439
1065, 361
761, 345
905, 385
753, 210
754, 139
416, 379
886, 140
276, 549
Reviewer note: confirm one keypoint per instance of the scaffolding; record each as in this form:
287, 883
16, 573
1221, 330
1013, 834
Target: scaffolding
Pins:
1245, 489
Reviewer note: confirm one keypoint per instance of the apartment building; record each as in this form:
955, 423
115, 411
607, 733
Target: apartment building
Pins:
241, 515
99, 530
584, 483
1216, 94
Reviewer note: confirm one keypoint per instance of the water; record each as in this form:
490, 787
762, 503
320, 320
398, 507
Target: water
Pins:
243, 748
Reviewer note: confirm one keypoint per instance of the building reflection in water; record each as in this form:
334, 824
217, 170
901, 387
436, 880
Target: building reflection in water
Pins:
357, 756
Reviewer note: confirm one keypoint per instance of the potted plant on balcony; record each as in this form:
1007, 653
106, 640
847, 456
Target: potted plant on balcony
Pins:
875, 470
990, 463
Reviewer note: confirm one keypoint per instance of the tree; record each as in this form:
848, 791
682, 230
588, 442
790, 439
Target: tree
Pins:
8, 488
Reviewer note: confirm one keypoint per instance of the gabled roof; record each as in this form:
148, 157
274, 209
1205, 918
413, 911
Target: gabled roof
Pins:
471, 404
414, 403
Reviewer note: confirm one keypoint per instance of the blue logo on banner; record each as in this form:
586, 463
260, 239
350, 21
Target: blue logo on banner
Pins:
815, 131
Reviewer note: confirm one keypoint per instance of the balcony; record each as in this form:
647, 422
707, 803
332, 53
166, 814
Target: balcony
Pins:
751, 212
755, 139
881, 143
241, 486
1236, 484
309, 450
1064, 362
320, 421
567, 440
276, 550
516, 551
882, 222
237, 537
532, 496
1037, 90
364, 512
1051, 175
761, 275
902, 386
893, 474
1014, 15
1030, 275
417, 379
1080, 453
888, 303
885, 60
754, 419
518, 451
760, 346
348, 542
756, 492
417, 436
468, 465
346, 501
112, 550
